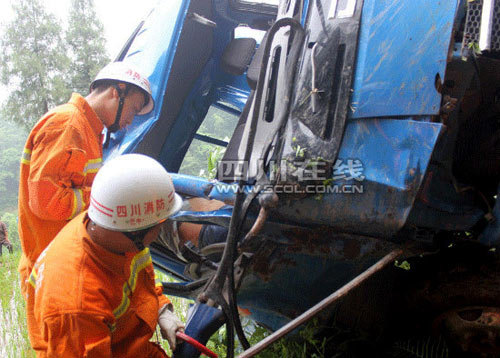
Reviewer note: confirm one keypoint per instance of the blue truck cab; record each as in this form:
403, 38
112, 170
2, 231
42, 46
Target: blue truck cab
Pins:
334, 132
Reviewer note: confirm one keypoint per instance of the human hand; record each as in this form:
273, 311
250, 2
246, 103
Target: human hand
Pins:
170, 324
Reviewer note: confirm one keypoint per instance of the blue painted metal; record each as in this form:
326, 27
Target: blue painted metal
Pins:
394, 156
212, 86
168, 265
202, 322
162, 28
403, 45
233, 95
219, 217
190, 117
301, 268
305, 10
191, 185
210, 189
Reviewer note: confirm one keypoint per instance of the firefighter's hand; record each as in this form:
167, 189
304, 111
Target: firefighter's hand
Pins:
169, 325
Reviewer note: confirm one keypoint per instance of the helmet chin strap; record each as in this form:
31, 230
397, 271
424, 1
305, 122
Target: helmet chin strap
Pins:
137, 237
116, 125
138, 243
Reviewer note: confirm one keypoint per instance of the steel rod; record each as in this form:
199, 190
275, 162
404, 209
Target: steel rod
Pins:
311, 312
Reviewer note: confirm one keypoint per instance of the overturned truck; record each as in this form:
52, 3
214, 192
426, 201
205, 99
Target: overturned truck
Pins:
336, 135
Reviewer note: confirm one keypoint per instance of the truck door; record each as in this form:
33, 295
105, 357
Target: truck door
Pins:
172, 47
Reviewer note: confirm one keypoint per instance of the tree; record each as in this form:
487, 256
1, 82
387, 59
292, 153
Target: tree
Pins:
34, 62
86, 45
11, 149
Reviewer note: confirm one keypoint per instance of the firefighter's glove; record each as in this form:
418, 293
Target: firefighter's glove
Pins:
169, 325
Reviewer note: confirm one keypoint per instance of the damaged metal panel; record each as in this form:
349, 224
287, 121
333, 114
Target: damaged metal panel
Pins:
392, 157
322, 91
440, 206
379, 171
308, 263
403, 47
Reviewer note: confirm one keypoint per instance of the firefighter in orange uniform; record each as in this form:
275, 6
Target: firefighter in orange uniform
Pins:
92, 291
64, 152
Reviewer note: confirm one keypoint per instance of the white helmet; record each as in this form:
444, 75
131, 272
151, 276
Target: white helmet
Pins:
132, 192
125, 72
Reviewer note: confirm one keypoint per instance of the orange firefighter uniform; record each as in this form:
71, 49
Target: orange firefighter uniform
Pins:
61, 158
84, 301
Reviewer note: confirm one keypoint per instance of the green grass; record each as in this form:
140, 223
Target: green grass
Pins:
14, 342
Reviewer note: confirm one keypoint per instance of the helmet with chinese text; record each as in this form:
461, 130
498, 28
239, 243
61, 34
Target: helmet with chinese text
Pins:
127, 73
132, 192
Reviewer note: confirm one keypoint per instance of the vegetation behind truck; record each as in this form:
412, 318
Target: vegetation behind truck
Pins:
336, 132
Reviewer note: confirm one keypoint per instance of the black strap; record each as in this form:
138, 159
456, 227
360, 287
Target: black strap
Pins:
116, 125
137, 237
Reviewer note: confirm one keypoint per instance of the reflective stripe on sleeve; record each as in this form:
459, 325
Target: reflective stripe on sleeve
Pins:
26, 157
32, 278
77, 203
158, 281
92, 166
139, 262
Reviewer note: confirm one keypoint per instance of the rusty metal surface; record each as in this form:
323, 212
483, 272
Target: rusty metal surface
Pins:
310, 313
473, 330
293, 269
